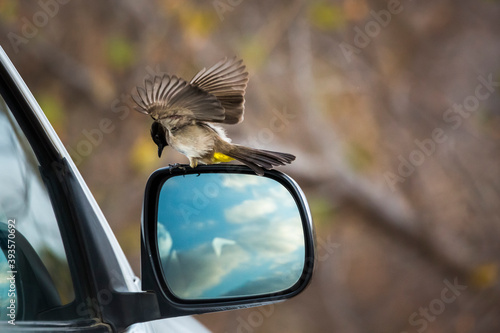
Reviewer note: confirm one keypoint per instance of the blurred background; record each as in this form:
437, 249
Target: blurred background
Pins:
391, 107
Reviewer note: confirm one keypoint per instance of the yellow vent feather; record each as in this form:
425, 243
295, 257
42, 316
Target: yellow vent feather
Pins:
220, 157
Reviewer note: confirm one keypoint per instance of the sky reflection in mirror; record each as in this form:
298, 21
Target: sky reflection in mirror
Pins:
228, 235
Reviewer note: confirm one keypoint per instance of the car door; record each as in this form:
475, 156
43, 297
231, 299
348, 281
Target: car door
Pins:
39, 288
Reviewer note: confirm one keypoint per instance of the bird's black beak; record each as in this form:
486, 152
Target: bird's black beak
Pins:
160, 149
158, 133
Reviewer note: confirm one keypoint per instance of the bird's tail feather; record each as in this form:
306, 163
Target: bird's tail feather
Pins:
258, 159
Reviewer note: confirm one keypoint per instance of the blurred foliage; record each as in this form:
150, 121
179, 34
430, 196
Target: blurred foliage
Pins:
197, 19
358, 157
356, 117
119, 52
144, 154
127, 238
322, 212
197, 22
9, 11
485, 276
326, 15
253, 51
53, 108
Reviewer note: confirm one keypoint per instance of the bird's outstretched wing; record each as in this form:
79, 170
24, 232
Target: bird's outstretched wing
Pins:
226, 80
169, 96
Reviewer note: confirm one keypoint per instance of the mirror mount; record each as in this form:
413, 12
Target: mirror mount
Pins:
160, 273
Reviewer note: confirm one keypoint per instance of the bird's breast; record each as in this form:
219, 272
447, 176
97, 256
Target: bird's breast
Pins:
192, 141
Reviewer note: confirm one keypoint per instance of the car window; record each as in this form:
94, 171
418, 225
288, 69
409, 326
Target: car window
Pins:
8, 297
34, 271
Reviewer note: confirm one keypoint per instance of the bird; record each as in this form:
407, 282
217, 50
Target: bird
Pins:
187, 116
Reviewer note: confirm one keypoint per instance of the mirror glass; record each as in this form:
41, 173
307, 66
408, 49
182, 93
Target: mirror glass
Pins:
228, 235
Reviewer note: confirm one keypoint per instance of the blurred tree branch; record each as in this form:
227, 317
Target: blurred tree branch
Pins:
337, 181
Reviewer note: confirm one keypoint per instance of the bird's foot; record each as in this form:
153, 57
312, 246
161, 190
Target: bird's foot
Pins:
176, 166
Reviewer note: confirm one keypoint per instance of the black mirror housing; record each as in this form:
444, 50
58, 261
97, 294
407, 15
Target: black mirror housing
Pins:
253, 220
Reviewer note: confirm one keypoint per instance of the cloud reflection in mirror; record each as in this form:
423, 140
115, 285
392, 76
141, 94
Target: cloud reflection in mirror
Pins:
228, 235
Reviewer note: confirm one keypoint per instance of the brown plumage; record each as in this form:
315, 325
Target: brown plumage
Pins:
185, 115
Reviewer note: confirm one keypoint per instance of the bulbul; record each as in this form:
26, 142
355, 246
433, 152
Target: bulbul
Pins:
186, 115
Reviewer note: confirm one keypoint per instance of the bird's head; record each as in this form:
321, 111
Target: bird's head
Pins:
158, 134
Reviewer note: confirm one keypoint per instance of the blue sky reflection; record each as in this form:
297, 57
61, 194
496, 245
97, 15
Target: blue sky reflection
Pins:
223, 235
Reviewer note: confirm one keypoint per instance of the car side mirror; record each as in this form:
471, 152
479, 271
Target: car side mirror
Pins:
220, 237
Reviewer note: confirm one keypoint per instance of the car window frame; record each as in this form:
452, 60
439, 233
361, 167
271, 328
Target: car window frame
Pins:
46, 155
105, 285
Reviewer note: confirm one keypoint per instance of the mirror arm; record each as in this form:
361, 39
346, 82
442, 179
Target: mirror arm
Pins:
127, 308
